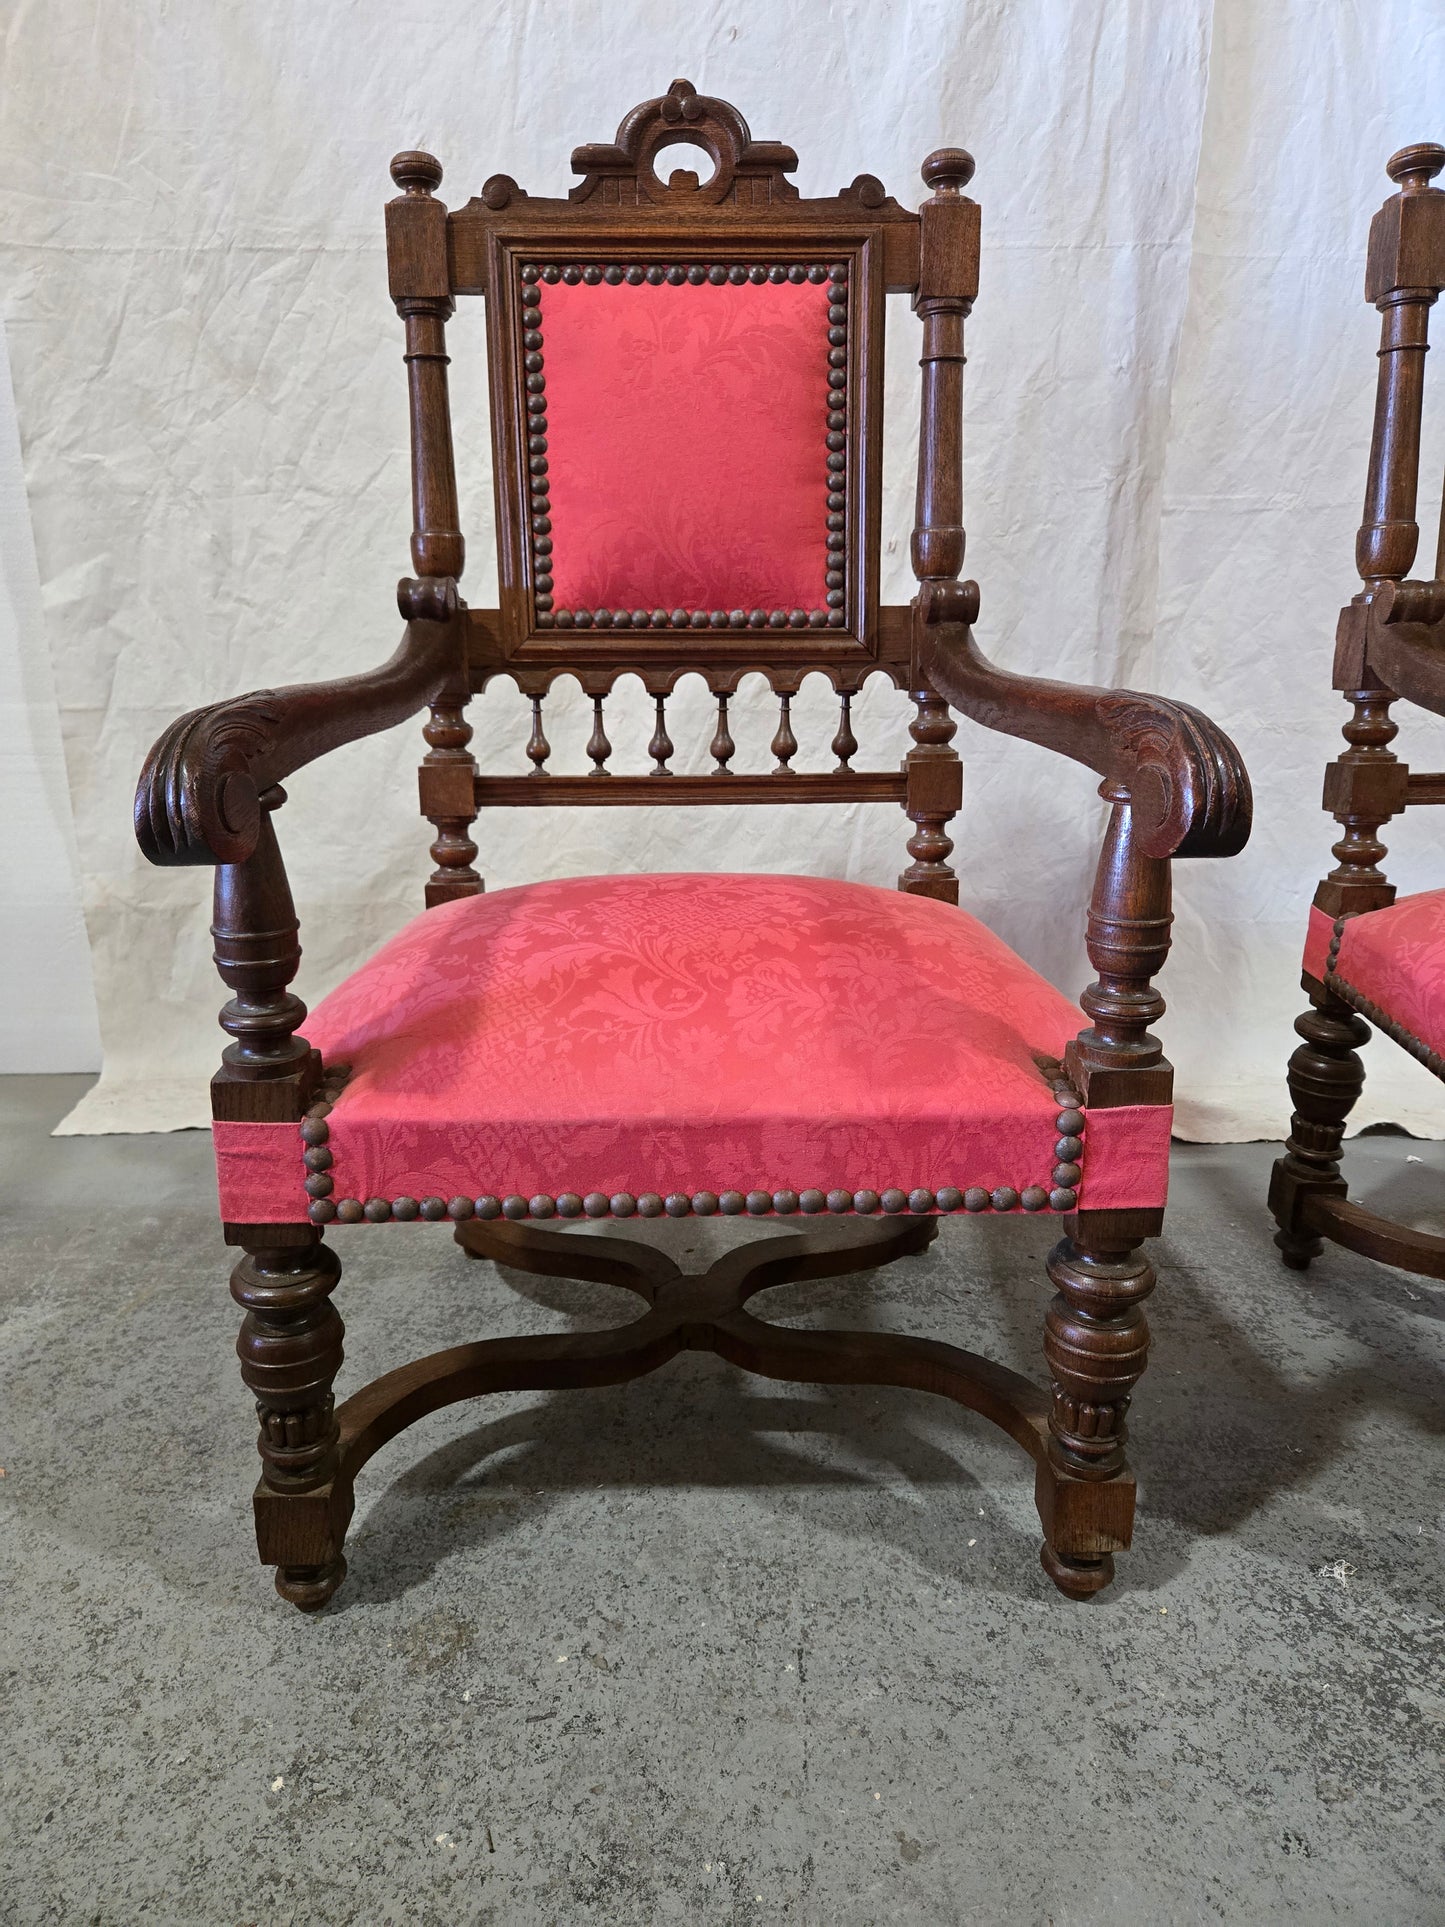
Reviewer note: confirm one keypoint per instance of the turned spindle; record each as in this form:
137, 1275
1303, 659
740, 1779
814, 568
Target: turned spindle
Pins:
538, 748
723, 746
598, 747
257, 952
660, 748
947, 284
785, 743
1403, 278
845, 743
421, 292
450, 764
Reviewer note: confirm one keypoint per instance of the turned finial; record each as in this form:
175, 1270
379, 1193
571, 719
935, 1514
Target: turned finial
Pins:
948, 170
681, 103
415, 172
1416, 166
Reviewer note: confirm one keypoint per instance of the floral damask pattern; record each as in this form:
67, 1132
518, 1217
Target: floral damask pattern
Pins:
686, 445
1395, 959
692, 1033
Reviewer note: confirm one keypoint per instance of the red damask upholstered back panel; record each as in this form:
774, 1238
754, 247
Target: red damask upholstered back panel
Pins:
687, 406
688, 445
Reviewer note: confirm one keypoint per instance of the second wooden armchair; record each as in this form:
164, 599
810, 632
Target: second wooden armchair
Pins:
686, 382
1369, 958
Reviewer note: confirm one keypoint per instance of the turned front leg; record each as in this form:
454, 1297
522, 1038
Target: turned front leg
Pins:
290, 1349
1096, 1342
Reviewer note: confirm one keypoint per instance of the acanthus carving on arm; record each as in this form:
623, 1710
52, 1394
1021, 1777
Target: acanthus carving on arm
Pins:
1186, 780
200, 790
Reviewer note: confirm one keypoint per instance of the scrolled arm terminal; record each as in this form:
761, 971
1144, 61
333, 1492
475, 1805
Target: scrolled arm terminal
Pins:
1187, 784
199, 799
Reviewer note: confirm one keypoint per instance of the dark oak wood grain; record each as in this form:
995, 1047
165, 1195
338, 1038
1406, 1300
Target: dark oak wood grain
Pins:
1389, 647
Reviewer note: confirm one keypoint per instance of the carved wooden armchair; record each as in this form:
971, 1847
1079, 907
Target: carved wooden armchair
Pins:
686, 384
1368, 956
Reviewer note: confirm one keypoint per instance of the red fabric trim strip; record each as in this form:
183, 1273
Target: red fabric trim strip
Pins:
1319, 937
767, 1154
260, 1174
1126, 1158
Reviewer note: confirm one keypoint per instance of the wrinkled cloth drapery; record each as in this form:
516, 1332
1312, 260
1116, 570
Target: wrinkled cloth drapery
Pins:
1169, 397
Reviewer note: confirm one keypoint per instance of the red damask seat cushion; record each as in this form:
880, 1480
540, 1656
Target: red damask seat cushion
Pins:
1391, 964
686, 1036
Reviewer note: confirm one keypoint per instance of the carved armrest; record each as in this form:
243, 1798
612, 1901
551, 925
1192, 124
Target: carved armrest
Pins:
199, 795
1187, 784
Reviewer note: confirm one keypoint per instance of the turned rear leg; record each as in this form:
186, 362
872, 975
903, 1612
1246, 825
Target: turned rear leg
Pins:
1325, 1078
1096, 1342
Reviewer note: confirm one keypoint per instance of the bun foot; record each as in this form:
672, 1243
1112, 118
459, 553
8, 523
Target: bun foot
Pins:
309, 1587
1076, 1578
1297, 1249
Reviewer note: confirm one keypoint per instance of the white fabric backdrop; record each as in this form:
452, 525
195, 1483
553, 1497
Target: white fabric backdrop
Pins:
1169, 403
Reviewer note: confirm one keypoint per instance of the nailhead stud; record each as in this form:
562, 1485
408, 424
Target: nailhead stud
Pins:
921, 1199
1004, 1198
405, 1209
812, 1200
840, 1201
623, 1204
677, 1204
542, 1206
949, 1198
731, 1203
322, 1212
1067, 1175
785, 1203
1033, 1197
1068, 1148
704, 1203
460, 1209
759, 1203
865, 1202
376, 1210
569, 1205
314, 1130
1063, 1200
318, 1185
433, 1209
975, 1198
489, 1208
597, 1204
514, 1207
349, 1211
649, 1205
1069, 1123
893, 1200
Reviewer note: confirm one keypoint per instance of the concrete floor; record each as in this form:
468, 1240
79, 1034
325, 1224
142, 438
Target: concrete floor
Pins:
706, 1649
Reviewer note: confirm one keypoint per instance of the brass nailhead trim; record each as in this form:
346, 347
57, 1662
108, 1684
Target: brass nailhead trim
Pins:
532, 278
892, 1201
